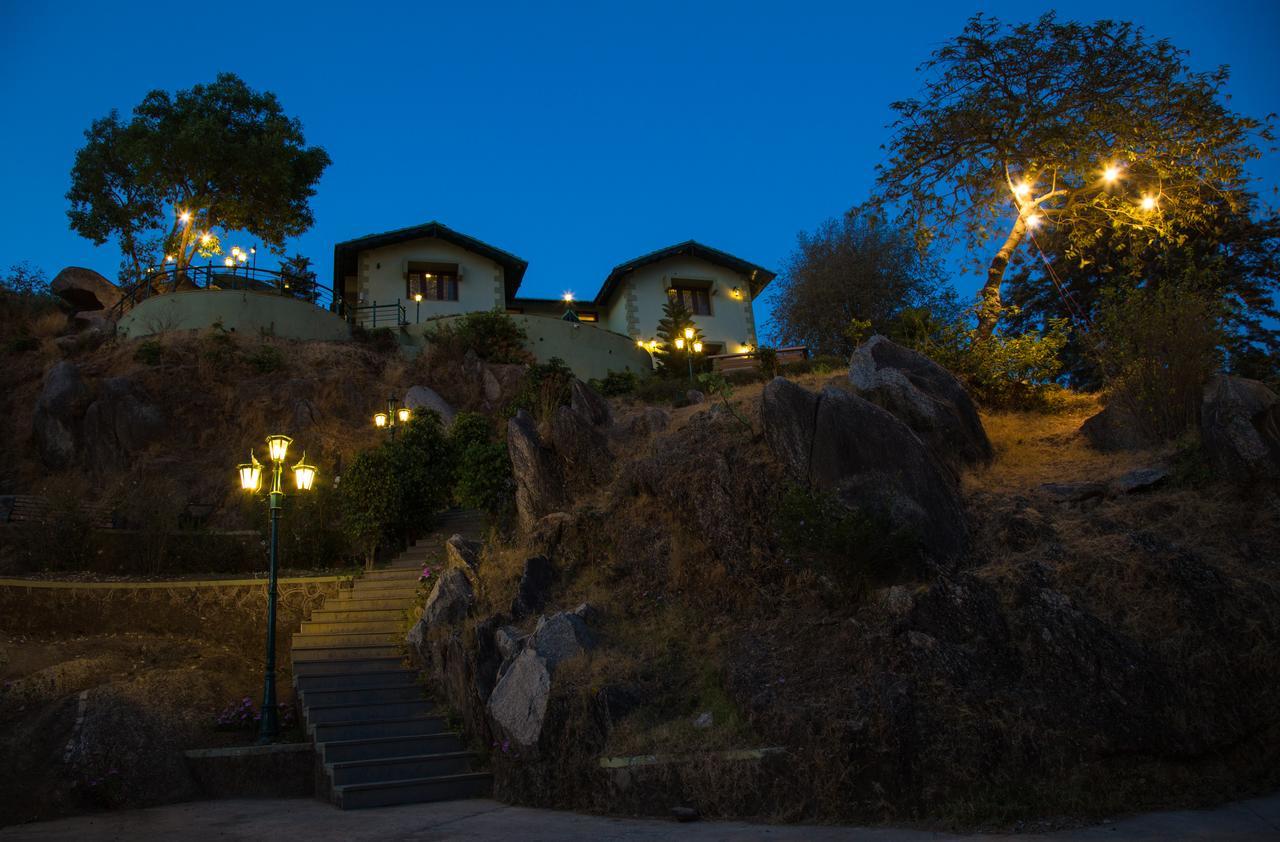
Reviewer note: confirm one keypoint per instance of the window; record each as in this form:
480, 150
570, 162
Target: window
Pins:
588, 316
696, 299
433, 284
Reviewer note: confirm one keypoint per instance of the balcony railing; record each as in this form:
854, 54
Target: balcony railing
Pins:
374, 315
268, 281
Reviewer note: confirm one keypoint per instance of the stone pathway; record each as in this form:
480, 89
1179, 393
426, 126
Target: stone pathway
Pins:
1243, 821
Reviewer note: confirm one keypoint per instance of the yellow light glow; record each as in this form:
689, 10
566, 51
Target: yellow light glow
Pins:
1148, 203
736, 292
229, 262
304, 475
679, 342
1022, 189
250, 474
568, 297
235, 251
639, 343
1111, 173
747, 348
688, 333
242, 257
402, 414
184, 217
380, 419
697, 347
206, 238
1034, 220
277, 447
417, 296
168, 258
253, 249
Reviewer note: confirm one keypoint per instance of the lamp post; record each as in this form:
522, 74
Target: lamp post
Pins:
695, 347
392, 417
251, 481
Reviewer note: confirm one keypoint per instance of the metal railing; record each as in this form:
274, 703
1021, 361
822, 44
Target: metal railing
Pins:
211, 277
375, 315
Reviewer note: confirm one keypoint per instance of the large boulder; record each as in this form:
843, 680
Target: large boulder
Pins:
590, 404
119, 423
534, 588
59, 409
866, 457
450, 600
642, 423
501, 383
84, 289
423, 397
1240, 429
461, 553
925, 396
1114, 428
518, 703
583, 449
559, 637
539, 484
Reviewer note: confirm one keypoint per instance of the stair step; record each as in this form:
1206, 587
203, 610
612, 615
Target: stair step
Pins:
391, 574
359, 615
363, 695
346, 666
443, 788
307, 640
373, 626
392, 726
341, 751
367, 603
361, 652
354, 679
400, 768
361, 712
375, 590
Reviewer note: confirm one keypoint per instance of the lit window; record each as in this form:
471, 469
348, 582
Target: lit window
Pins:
433, 286
588, 316
696, 299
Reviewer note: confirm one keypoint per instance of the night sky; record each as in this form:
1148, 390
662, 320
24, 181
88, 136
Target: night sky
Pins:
575, 136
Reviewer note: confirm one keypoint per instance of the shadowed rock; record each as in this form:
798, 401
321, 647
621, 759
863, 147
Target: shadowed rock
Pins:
1240, 429
423, 397
56, 422
84, 289
535, 586
925, 396
1114, 428
459, 552
450, 600
119, 423
590, 404
539, 484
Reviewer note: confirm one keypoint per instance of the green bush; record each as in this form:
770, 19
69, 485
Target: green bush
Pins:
544, 387
266, 359
370, 500
149, 352
656, 390
494, 337
381, 339
482, 477
311, 534
820, 365
616, 383
768, 358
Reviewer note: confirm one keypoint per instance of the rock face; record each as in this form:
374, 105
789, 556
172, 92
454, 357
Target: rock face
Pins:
539, 484
56, 422
925, 396
868, 459
583, 449
535, 585
642, 423
1114, 428
421, 397
559, 637
450, 600
120, 422
590, 404
1240, 429
461, 553
84, 289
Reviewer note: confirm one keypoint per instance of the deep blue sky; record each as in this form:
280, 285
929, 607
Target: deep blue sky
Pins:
574, 135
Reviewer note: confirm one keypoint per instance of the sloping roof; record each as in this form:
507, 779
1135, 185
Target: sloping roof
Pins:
513, 267
758, 276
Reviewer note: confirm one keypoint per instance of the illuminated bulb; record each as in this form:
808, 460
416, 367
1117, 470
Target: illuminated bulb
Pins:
235, 251
688, 333
1034, 220
184, 217
168, 258
679, 342
278, 446
229, 262
206, 238
1110, 174
417, 296
639, 343
380, 419
402, 415
1022, 190
697, 347
1148, 203
568, 297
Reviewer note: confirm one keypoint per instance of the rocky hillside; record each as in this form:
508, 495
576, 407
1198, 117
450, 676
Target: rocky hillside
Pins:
915, 610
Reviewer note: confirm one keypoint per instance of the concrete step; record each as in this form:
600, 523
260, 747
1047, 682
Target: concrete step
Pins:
375, 747
400, 768
305, 640
355, 652
360, 615
379, 590
340, 666
362, 712
391, 574
366, 603
368, 694
393, 726
372, 625
384, 793
354, 679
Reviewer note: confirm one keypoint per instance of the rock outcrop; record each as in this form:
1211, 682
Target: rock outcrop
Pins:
56, 422
450, 600
84, 289
1240, 429
1114, 428
925, 396
868, 459
539, 483
461, 553
119, 423
590, 404
423, 397
535, 585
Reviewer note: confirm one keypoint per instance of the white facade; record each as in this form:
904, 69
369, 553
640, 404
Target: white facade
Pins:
383, 278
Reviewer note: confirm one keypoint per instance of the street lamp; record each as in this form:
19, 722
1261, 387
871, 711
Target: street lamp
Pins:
695, 347
392, 417
304, 476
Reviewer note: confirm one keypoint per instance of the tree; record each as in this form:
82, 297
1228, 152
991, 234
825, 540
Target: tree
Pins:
299, 278
216, 156
1092, 130
854, 272
674, 347
370, 500
26, 280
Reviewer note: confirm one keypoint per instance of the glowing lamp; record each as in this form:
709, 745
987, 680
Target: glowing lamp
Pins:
679, 342
639, 343
417, 296
242, 257
278, 446
168, 258
697, 347
1034, 220
568, 297
303, 474
1148, 203
184, 217
253, 249
380, 419
688, 333
250, 474
229, 262
1022, 189
1110, 174
206, 238
402, 414
235, 251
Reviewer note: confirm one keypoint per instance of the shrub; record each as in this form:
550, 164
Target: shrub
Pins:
370, 500
266, 359
423, 462
768, 358
494, 337
149, 352
1156, 347
311, 534
821, 364
381, 339
616, 383
654, 390
545, 386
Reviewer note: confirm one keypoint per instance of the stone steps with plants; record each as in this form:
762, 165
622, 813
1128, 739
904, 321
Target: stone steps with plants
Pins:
380, 739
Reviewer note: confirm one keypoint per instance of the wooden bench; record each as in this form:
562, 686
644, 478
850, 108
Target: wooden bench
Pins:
725, 363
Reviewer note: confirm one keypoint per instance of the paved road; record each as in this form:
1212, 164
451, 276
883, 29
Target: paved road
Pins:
308, 819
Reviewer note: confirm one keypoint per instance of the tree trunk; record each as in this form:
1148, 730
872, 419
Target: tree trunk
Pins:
989, 304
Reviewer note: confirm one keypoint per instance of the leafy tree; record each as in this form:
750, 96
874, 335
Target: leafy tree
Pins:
216, 156
424, 470
674, 348
25, 279
483, 479
370, 500
1092, 130
299, 278
851, 277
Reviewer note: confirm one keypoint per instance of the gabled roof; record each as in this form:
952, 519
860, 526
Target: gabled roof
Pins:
758, 277
513, 267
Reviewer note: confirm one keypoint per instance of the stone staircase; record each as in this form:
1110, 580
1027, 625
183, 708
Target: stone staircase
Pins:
379, 739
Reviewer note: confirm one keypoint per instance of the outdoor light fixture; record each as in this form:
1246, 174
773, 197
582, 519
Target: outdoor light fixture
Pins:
679, 343
380, 419
184, 217
168, 258
1034, 220
737, 292
206, 238
229, 262
568, 297
1022, 190
250, 474
402, 415
688, 333
1148, 203
697, 347
392, 417
1111, 173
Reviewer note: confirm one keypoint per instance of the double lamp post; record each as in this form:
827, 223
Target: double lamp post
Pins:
304, 476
